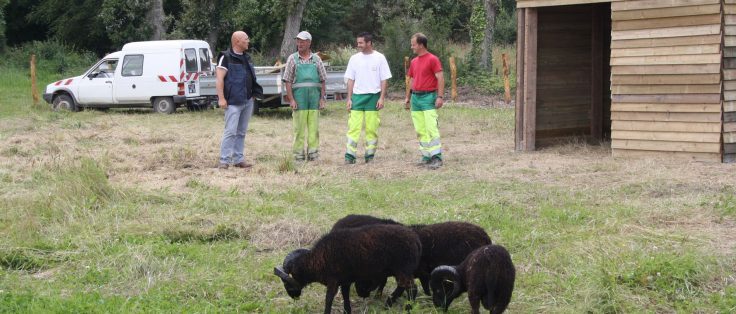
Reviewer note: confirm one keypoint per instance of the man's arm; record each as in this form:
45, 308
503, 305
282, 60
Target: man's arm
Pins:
323, 77
384, 88
289, 73
440, 89
220, 87
349, 103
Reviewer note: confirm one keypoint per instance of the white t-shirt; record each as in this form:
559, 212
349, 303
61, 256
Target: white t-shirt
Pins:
367, 70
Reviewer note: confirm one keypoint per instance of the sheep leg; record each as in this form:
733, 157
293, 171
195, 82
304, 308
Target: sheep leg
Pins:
329, 297
474, 300
345, 290
424, 280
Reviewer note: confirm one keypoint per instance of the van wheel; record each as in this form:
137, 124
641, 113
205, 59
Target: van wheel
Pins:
64, 102
164, 105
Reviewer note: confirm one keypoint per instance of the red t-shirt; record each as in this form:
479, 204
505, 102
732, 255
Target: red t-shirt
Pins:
422, 70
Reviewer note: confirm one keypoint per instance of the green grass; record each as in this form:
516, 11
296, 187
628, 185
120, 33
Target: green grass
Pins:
79, 232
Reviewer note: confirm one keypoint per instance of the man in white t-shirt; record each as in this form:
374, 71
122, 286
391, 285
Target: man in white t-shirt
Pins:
367, 76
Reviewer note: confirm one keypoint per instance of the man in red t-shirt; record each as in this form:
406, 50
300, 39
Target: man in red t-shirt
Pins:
427, 89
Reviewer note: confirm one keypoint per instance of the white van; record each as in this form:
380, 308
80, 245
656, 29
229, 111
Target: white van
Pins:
160, 74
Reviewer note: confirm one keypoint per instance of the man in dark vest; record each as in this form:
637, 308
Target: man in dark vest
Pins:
236, 91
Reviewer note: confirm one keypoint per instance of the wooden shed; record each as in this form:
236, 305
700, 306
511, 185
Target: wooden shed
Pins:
656, 77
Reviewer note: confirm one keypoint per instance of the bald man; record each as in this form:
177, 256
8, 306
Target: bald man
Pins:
236, 91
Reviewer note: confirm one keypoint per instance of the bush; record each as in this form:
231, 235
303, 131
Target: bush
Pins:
52, 56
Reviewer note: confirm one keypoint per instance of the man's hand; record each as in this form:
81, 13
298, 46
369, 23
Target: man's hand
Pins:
407, 105
349, 104
379, 104
322, 103
293, 104
438, 103
222, 103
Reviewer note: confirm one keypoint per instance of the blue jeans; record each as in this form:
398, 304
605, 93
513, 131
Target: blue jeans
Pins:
233, 139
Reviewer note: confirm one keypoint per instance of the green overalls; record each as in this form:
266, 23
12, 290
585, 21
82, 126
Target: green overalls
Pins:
363, 109
424, 115
307, 91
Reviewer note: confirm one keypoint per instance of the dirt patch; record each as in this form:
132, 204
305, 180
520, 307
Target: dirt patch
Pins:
283, 233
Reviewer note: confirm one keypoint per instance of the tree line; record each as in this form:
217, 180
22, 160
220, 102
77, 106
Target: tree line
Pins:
104, 26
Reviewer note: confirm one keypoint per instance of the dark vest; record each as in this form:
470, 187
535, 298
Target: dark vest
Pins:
240, 80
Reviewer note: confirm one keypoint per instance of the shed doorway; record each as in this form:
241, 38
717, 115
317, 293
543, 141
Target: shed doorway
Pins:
563, 85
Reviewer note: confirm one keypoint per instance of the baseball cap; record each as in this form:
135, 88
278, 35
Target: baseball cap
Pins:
304, 35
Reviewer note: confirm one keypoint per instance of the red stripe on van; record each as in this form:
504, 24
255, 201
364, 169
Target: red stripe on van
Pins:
69, 81
196, 76
162, 78
173, 78
58, 83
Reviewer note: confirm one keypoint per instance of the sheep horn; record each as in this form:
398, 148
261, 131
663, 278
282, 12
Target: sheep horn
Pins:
443, 272
278, 271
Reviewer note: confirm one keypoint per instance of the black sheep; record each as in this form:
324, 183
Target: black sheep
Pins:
446, 243
487, 274
344, 256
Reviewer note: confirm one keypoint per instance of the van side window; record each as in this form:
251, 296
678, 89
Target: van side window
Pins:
204, 59
190, 56
132, 65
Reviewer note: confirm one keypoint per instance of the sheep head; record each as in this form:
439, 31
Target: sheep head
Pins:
286, 272
445, 284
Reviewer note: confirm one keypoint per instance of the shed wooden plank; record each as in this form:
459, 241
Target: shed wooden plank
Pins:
729, 106
729, 85
693, 147
666, 79
729, 95
678, 21
729, 8
547, 3
729, 63
627, 153
651, 4
729, 117
729, 41
530, 66
729, 127
665, 51
729, 19
669, 98
729, 75
665, 89
711, 58
519, 107
667, 41
729, 137
665, 12
667, 69
729, 52
667, 116
666, 107
667, 136
729, 148
729, 30
667, 32
700, 127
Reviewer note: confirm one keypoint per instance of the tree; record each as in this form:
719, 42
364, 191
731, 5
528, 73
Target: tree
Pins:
208, 20
486, 60
126, 21
76, 23
291, 27
3, 3
156, 18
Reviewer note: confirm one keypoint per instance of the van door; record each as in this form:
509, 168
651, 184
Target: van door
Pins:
129, 85
96, 88
191, 67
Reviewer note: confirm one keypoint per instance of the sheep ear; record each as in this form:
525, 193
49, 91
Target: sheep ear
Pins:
292, 256
444, 272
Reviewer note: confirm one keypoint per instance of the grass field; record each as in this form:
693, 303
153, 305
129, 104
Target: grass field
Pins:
122, 211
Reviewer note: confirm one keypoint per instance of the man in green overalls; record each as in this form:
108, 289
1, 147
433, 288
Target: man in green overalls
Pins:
367, 74
304, 77
427, 90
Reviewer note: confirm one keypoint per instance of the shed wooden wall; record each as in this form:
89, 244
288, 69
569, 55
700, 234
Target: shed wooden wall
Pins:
729, 82
666, 81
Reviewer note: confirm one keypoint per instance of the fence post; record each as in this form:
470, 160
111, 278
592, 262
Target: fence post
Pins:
453, 78
34, 89
406, 74
506, 85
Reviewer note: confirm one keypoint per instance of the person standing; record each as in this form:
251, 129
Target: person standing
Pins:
236, 91
367, 74
427, 89
305, 77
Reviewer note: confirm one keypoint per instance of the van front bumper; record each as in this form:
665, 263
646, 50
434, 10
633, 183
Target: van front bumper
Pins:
48, 97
